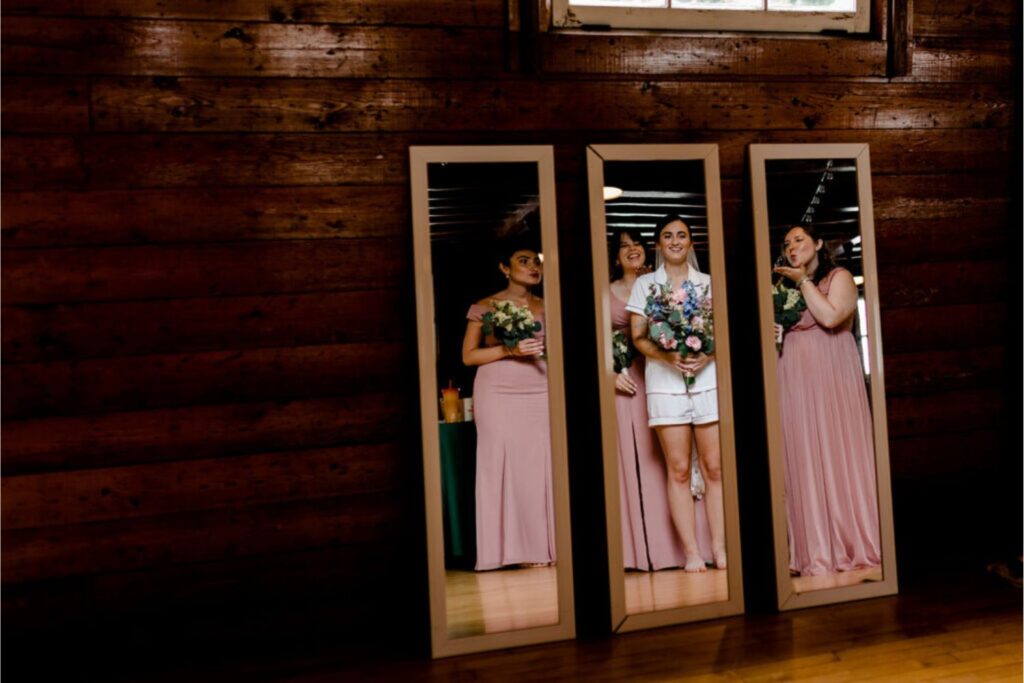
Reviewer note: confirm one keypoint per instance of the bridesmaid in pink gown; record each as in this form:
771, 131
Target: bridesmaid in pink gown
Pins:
831, 496
514, 502
649, 540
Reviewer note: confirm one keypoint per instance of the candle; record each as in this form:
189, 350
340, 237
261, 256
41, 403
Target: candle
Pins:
450, 403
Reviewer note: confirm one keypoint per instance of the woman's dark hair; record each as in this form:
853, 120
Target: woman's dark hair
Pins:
666, 220
505, 248
520, 231
614, 242
826, 264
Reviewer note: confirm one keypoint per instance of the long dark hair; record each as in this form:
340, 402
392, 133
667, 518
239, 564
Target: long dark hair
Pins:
826, 264
614, 242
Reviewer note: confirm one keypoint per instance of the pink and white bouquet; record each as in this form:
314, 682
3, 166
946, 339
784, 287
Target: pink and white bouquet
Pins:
681, 320
509, 322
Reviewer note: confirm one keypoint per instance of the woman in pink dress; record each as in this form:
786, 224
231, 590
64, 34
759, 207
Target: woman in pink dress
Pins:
514, 502
649, 541
831, 498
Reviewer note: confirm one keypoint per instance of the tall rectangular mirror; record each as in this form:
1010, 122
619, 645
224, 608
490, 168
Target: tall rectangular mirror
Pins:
823, 377
492, 397
663, 367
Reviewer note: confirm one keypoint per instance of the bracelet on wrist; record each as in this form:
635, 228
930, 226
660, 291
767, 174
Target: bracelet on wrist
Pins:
805, 278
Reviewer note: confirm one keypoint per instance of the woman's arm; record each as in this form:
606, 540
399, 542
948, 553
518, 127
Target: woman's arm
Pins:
695, 363
625, 383
831, 310
475, 354
835, 308
643, 344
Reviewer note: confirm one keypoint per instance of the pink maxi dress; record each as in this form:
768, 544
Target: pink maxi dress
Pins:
831, 496
514, 502
649, 539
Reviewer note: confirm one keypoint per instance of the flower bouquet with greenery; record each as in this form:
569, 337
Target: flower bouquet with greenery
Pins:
789, 306
681, 320
622, 350
509, 322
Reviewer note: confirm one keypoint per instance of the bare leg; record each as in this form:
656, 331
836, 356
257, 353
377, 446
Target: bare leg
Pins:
675, 444
711, 467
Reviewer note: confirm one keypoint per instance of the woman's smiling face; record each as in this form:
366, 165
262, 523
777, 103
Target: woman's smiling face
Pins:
675, 242
631, 253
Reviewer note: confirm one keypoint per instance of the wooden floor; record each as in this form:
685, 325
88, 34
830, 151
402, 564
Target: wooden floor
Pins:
962, 628
500, 600
803, 584
671, 588
966, 628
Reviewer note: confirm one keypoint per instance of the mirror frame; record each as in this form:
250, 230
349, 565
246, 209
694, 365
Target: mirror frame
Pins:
708, 154
759, 154
543, 157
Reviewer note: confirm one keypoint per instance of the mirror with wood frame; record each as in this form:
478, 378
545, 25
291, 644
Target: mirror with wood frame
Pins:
492, 397
665, 387
823, 377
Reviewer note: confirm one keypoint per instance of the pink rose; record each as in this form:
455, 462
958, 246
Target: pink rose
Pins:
693, 342
667, 342
679, 296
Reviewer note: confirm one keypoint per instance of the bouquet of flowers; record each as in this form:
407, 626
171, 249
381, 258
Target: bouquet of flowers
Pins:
622, 350
789, 305
509, 322
681, 320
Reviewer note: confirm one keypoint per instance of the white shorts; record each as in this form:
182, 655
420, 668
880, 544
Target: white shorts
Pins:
682, 409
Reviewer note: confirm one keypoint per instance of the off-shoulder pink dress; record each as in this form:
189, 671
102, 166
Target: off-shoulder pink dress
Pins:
831, 495
649, 539
514, 503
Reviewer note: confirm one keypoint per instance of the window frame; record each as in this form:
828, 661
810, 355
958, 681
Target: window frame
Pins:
565, 15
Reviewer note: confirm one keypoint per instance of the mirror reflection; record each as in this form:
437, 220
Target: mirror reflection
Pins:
490, 325
666, 401
831, 497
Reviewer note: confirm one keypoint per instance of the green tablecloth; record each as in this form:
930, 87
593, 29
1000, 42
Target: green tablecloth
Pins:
458, 482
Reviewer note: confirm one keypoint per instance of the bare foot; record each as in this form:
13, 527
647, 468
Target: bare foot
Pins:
720, 561
695, 563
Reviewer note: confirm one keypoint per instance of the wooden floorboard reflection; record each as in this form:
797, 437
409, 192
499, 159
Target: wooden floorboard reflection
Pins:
671, 588
500, 600
803, 584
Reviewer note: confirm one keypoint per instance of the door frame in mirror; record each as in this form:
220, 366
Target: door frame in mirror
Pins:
759, 155
708, 154
419, 160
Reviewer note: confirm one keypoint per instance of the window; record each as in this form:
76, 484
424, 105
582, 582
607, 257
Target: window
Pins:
811, 16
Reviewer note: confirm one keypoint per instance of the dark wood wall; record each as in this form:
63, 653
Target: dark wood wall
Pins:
209, 379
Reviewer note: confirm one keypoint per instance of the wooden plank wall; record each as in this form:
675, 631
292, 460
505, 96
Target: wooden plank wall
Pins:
208, 347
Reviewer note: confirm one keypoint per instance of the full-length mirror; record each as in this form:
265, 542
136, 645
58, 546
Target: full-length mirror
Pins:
491, 396
666, 407
824, 387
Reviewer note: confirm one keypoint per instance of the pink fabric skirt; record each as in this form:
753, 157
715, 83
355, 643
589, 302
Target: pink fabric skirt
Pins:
831, 488
514, 501
649, 540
